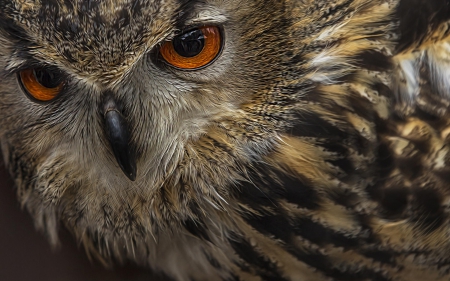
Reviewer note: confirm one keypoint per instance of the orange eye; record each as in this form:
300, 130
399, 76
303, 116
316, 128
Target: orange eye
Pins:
193, 49
41, 84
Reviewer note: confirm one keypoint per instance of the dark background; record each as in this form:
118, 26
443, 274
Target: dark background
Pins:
25, 254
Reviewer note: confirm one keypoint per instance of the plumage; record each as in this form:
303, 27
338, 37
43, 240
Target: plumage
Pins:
315, 146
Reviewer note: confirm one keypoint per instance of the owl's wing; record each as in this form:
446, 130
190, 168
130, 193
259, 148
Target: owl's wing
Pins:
415, 138
423, 80
359, 187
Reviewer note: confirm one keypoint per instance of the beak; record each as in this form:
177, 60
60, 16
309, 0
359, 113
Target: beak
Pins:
118, 136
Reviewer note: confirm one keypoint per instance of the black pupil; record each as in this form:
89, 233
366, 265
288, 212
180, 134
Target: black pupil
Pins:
189, 44
47, 78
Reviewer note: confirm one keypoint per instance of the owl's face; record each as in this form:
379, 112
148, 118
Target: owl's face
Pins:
107, 112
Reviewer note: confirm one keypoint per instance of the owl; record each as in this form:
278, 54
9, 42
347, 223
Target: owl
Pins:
299, 140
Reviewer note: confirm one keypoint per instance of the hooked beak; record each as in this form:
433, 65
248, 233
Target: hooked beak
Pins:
119, 137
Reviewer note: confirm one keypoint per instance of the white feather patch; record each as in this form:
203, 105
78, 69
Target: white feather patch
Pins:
439, 65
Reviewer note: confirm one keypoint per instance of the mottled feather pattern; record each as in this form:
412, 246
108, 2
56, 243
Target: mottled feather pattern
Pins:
314, 148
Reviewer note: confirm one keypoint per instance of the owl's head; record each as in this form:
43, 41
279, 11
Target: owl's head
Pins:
111, 110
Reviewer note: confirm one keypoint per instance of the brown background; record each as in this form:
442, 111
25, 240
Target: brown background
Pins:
25, 255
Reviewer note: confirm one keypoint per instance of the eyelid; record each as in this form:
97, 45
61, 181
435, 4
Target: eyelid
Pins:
24, 65
206, 16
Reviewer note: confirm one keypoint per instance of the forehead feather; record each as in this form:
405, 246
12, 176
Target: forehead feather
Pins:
101, 38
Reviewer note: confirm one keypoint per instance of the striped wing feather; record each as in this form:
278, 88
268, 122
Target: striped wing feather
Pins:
358, 185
